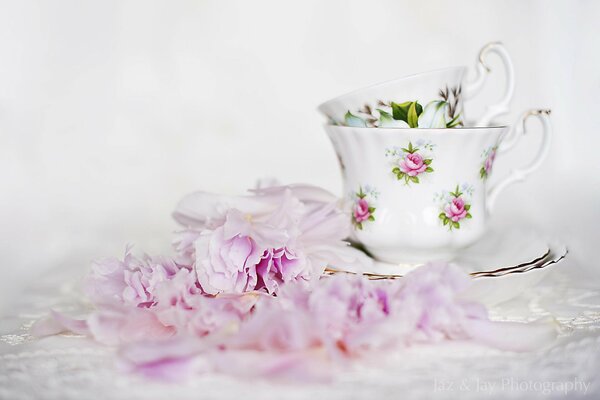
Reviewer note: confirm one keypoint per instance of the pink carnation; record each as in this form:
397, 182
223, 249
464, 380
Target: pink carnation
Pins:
278, 266
226, 263
272, 237
350, 315
297, 331
181, 305
130, 281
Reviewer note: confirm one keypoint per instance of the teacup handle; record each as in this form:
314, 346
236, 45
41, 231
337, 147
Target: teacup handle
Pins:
511, 139
483, 71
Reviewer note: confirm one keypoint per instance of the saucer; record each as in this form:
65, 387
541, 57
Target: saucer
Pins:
494, 289
491, 288
498, 253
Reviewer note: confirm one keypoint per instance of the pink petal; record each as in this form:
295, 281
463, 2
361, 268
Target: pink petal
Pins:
58, 323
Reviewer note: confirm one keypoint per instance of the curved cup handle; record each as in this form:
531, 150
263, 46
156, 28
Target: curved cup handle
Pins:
510, 141
474, 87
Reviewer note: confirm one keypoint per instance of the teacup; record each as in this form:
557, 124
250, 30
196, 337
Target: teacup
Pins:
360, 108
417, 195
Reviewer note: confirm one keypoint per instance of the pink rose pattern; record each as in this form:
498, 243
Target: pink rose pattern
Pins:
362, 211
455, 210
486, 167
411, 165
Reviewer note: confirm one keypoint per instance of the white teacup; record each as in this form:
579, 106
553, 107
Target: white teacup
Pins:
445, 84
421, 194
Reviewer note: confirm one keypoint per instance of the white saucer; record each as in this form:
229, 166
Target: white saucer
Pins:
514, 263
499, 252
494, 289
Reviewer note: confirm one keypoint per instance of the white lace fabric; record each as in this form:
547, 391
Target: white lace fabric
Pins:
74, 367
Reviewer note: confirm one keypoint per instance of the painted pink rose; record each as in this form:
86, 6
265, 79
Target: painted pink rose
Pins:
490, 161
361, 210
412, 164
456, 209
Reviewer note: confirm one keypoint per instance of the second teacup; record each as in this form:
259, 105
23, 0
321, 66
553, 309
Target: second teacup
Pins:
433, 88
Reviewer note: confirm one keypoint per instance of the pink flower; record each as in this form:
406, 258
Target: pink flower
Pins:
361, 210
412, 164
184, 246
130, 281
343, 315
259, 242
456, 209
489, 161
278, 266
429, 306
299, 333
173, 359
226, 262
350, 313
281, 323
109, 325
181, 305
123, 325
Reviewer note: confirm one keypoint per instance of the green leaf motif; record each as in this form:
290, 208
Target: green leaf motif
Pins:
427, 161
354, 121
442, 215
413, 117
400, 111
371, 218
453, 122
396, 170
428, 169
467, 207
419, 109
456, 225
415, 179
456, 193
385, 116
482, 173
468, 215
360, 194
408, 112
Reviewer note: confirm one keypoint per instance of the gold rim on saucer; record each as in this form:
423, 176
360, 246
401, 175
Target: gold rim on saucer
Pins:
539, 263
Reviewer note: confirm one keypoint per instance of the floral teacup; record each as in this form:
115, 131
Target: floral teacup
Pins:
427, 100
422, 194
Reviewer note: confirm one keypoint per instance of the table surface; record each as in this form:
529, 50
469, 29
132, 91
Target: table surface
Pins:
74, 367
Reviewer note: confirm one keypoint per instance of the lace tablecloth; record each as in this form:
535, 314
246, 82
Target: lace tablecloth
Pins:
73, 367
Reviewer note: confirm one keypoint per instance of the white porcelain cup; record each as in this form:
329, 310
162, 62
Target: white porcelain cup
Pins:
427, 87
417, 195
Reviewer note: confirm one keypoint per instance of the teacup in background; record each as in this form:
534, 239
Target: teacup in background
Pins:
440, 95
422, 194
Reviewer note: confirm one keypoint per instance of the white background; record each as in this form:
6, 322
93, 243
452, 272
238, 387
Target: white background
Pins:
110, 111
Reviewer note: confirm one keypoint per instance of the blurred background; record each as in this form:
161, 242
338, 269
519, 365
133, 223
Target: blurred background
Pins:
110, 111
